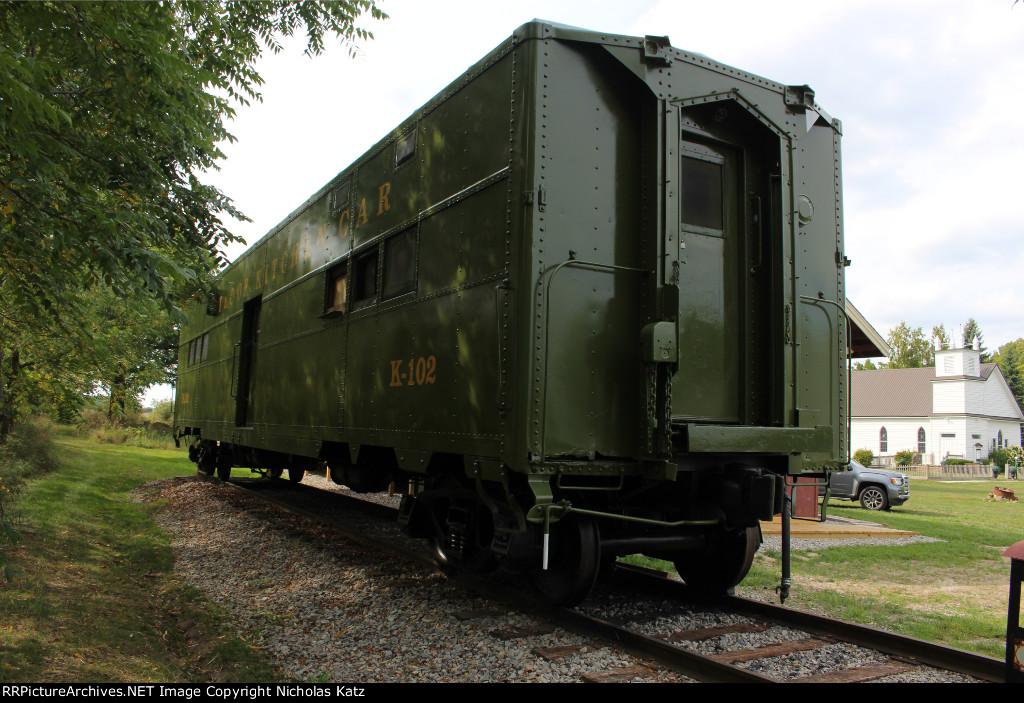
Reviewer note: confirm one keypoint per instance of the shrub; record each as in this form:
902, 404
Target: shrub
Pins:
163, 411
1015, 455
999, 457
905, 457
864, 457
134, 437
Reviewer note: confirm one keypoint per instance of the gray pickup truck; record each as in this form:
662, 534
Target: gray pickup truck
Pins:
876, 489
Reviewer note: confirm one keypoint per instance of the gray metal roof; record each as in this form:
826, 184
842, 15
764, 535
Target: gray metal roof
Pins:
892, 392
898, 392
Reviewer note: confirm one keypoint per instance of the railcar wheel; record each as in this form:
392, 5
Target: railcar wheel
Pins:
275, 473
207, 458
722, 564
295, 475
224, 462
574, 560
462, 530
874, 498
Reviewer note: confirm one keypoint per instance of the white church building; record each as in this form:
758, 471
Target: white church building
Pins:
960, 408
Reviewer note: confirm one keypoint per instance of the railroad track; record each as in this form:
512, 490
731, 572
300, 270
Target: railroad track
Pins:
656, 619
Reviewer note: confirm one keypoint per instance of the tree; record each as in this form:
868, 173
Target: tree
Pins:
125, 346
971, 332
1010, 359
865, 366
135, 346
109, 114
41, 369
910, 348
939, 332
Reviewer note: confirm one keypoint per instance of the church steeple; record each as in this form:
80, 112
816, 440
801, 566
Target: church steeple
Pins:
958, 362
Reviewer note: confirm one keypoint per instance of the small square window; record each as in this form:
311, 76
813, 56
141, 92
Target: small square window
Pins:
339, 198
405, 149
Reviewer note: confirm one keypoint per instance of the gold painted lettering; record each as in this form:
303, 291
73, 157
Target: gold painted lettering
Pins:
362, 213
341, 223
421, 371
383, 203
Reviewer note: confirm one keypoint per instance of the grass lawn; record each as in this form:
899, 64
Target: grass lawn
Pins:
97, 599
953, 592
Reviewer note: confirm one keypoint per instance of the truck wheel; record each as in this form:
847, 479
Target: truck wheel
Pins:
574, 561
874, 498
206, 459
722, 564
224, 462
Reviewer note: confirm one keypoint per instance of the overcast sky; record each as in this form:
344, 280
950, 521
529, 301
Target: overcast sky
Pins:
929, 93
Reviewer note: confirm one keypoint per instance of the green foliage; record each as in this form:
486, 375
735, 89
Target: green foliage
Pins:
121, 347
939, 332
136, 346
905, 457
140, 437
111, 111
864, 457
134, 429
998, 456
110, 114
163, 410
971, 332
865, 366
1010, 359
910, 348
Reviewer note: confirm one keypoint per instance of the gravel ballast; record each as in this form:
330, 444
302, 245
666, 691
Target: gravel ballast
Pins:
326, 608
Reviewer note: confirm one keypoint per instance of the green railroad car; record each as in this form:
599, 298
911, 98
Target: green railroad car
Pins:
587, 301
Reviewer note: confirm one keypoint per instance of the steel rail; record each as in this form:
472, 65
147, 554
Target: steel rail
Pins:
906, 648
902, 647
679, 659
